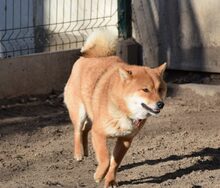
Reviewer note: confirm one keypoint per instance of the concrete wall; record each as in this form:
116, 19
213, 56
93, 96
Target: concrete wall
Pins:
186, 34
35, 74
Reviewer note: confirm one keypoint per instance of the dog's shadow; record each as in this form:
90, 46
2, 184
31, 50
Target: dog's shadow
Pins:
212, 163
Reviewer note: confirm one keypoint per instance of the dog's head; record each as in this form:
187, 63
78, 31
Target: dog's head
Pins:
143, 90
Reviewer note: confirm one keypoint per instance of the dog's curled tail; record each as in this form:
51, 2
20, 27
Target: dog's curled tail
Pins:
100, 43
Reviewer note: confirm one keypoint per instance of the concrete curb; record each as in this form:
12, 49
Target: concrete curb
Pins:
200, 89
36, 74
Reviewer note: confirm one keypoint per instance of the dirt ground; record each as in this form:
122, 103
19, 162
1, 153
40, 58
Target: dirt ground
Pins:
179, 148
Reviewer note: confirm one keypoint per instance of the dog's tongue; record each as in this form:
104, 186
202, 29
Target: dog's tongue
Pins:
137, 123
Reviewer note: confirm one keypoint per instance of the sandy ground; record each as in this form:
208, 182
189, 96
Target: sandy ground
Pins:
179, 148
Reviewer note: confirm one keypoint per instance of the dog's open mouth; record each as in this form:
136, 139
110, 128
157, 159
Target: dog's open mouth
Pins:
157, 111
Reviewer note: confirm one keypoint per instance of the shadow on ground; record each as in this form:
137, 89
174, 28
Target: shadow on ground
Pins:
213, 163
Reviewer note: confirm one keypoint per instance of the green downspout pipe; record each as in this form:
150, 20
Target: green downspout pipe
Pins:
124, 19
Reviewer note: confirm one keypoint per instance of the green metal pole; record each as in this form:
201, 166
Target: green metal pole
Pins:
124, 19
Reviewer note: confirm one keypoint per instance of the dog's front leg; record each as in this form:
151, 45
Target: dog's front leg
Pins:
121, 147
100, 146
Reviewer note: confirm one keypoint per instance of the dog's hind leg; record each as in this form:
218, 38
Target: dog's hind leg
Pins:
86, 128
78, 116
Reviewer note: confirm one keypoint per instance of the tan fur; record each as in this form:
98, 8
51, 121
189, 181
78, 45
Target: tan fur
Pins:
106, 92
106, 41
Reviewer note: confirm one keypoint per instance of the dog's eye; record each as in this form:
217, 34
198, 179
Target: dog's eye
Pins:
129, 72
160, 89
145, 90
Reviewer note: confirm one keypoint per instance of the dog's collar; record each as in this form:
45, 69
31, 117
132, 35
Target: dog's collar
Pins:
137, 123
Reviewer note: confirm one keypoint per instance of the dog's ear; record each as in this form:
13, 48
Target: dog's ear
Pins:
124, 74
161, 69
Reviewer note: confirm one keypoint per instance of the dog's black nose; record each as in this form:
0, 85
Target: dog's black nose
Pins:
160, 104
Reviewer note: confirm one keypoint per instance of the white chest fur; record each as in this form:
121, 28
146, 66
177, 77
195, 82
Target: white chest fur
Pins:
120, 127
119, 124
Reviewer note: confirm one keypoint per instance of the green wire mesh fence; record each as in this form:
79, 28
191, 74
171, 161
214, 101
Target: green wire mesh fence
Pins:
31, 26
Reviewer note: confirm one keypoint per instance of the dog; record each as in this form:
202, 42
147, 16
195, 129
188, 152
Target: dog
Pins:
112, 99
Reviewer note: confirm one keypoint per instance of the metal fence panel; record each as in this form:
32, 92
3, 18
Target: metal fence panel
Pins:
30, 26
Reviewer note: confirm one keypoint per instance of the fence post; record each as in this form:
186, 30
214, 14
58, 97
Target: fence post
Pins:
128, 49
124, 19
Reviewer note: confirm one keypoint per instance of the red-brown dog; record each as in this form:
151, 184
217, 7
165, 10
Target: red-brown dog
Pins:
116, 97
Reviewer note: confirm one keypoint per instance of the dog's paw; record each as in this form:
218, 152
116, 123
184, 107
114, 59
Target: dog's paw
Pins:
78, 157
111, 184
97, 179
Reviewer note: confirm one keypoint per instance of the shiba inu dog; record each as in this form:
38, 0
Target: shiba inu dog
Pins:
112, 99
